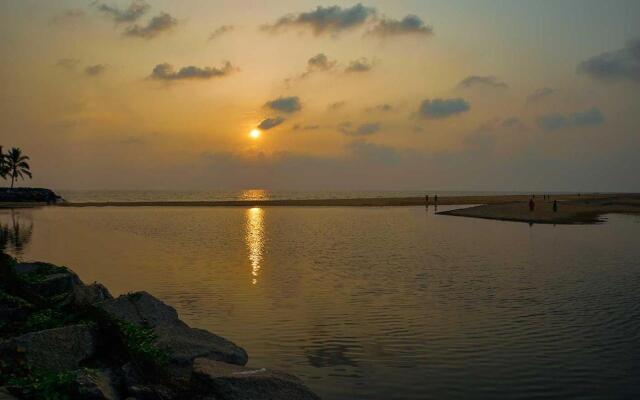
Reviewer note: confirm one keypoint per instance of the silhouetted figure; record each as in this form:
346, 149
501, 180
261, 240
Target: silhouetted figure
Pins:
426, 200
532, 204
435, 200
555, 206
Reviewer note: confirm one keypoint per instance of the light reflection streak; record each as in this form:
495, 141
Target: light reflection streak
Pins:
255, 240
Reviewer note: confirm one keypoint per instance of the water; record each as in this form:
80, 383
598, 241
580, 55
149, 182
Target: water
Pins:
377, 303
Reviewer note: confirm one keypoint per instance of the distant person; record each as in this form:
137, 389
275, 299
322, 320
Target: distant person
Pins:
426, 200
532, 204
555, 206
435, 200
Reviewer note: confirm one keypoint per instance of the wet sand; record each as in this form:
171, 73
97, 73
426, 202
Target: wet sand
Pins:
359, 202
573, 211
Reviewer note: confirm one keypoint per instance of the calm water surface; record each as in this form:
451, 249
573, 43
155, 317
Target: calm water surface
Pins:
377, 303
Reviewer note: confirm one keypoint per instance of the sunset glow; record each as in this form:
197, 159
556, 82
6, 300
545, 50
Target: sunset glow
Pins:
255, 134
355, 94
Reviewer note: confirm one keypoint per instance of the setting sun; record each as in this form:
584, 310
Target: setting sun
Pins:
254, 134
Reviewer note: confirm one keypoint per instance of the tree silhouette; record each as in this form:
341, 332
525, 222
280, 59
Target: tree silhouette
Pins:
17, 165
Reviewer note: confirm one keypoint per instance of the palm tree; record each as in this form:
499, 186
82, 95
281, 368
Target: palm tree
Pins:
3, 164
17, 165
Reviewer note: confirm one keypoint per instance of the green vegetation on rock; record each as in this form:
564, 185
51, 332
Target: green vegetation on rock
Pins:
28, 383
140, 344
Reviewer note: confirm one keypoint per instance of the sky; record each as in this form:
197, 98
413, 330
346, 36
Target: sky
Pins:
383, 95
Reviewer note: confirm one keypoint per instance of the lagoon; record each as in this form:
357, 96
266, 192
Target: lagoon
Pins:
367, 303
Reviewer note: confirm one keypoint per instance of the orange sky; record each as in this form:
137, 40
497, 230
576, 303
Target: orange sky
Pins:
477, 95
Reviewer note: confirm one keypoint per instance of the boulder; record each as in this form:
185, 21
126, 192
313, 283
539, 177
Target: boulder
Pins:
151, 392
13, 308
5, 395
97, 385
232, 382
38, 195
91, 294
183, 343
59, 349
47, 280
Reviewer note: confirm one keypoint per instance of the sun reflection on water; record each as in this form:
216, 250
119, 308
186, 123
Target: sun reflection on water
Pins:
255, 239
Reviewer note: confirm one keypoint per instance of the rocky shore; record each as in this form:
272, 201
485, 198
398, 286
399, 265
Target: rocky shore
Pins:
29, 195
62, 339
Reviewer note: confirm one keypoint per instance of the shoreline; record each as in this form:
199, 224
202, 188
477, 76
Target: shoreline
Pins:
64, 339
583, 211
354, 202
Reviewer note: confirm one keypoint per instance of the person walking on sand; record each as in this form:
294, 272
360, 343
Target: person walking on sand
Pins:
435, 200
426, 200
532, 204
555, 206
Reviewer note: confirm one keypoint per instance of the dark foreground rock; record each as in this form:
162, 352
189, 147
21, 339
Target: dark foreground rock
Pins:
62, 339
54, 349
183, 343
29, 195
231, 382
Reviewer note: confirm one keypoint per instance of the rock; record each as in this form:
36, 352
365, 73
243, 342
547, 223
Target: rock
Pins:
183, 343
36, 195
58, 349
47, 280
151, 392
13, 308
89, 295
5, 395
97, 385
232, 382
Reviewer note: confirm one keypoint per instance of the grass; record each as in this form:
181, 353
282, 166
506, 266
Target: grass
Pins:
31, 384
140, 344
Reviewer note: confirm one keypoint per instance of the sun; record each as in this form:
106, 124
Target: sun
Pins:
254, 134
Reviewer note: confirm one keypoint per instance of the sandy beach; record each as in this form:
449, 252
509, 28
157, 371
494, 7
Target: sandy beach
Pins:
573, 208
350, 202
570, 211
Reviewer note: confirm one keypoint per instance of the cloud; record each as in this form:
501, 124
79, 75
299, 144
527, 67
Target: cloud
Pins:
95, 70
581, 119
324, 20
68, 16
381, 107
540, 94
359, 65
513, 123
284, 104
336, 105
166, 72
136, 9
365, 129
442, 108
592, 117
486, 81
318, 63
552, 122
617, 65
68, 63
221, 30
409, 25
373, 152
269, 123
297, 127
158, 24
498, 125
